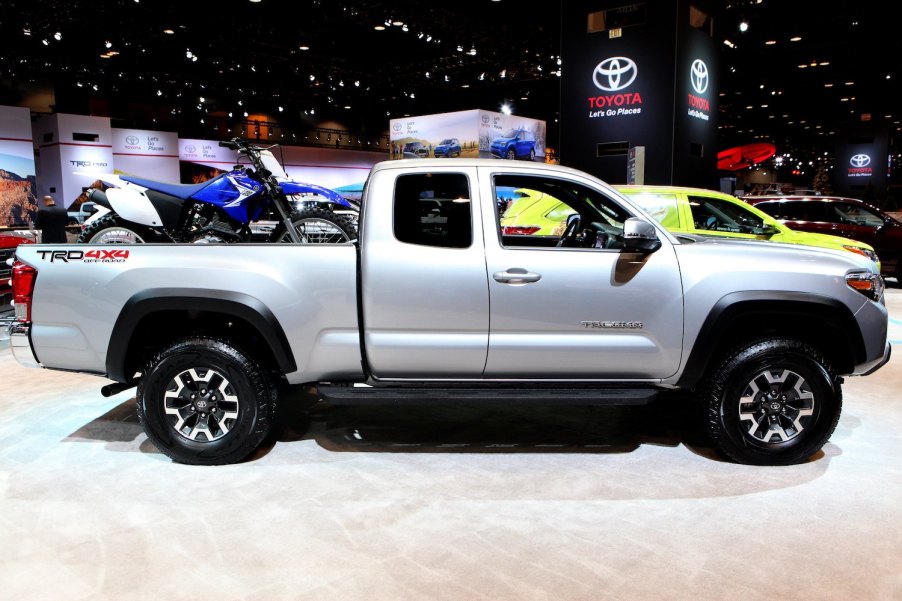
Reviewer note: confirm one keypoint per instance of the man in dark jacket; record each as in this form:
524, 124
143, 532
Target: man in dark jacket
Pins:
52, 221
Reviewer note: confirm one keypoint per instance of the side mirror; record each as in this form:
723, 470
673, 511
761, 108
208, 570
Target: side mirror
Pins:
640, 236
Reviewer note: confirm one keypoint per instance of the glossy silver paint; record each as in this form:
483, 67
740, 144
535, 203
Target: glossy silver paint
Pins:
310, 289
442, 313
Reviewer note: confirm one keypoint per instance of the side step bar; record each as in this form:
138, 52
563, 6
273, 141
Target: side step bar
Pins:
398, 395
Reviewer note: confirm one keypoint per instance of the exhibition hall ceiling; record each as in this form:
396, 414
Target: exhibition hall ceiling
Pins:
801, 69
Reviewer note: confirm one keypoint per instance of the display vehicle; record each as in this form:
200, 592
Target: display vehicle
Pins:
434, 302
710, 212
849, 218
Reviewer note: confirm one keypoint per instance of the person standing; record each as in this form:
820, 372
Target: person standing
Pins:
52, 220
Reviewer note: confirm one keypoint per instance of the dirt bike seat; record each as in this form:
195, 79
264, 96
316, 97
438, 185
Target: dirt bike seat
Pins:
183, 191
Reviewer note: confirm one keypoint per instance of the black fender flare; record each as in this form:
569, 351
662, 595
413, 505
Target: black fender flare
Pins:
736, 305
237, 304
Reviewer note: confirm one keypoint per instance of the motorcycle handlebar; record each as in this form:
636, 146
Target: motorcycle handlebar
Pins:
232, 144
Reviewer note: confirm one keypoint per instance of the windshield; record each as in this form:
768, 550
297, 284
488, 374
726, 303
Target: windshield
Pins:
511, 134
447, 141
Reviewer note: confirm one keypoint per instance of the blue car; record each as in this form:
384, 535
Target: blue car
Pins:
449, 147
515, 144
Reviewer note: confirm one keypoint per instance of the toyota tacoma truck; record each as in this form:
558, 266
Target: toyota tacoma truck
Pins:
434, 302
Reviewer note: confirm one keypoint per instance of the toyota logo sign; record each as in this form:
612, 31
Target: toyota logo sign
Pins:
699, 76
133, 140
615, 73
860, 160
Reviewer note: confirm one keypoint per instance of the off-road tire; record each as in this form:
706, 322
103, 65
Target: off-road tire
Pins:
316, 225
170, 414
799, 408
108, 225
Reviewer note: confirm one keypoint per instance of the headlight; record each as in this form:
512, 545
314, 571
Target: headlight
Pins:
865, 252
869, 284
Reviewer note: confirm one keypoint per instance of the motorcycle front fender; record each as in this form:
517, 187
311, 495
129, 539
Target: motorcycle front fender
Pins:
133, 205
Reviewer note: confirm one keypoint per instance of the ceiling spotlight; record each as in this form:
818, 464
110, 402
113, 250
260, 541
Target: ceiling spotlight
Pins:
57, 36
743, 26
281, 109
379, 27
168, 31
108, 44
428, 38
304, 47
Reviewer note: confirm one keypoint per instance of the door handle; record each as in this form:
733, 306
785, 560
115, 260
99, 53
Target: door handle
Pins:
516, 276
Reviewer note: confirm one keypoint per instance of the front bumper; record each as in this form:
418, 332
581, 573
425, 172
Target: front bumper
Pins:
20, 344
870, 367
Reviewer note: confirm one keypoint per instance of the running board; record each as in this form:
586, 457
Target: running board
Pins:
399, 395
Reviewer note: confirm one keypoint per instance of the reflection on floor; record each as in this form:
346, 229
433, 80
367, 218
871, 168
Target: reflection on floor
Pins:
475, 503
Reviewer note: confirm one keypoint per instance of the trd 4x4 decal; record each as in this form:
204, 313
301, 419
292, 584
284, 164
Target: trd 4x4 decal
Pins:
115, 255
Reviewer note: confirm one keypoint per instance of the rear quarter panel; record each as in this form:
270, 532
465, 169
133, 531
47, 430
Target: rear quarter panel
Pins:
310, 289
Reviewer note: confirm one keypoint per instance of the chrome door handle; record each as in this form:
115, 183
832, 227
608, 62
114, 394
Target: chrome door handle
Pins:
516, 275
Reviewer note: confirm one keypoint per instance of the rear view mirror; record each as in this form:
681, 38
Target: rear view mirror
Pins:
640, 236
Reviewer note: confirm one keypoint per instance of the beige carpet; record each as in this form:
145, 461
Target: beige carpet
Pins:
458, 504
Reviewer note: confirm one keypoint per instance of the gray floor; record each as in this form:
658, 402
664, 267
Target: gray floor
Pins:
459, 504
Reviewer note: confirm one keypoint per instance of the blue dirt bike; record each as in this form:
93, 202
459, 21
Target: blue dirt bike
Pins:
222, 209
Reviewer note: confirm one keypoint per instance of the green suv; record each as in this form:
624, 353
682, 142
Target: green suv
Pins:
713, 213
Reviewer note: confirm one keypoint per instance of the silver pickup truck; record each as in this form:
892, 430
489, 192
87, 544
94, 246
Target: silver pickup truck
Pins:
436, 301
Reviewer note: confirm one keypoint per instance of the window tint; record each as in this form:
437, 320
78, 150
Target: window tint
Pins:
535, 211
433, 209
795, 210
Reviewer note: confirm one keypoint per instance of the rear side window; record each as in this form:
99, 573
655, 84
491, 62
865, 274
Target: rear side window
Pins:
433, 209
662, 207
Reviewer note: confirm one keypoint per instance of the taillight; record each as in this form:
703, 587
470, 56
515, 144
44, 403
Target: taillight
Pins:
23, 278
519, 230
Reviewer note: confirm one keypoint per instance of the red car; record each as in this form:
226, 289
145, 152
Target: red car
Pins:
8, 244
840, 216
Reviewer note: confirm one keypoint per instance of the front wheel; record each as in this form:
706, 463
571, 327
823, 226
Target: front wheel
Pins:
316, 225
112, 229
775, 401
511, 154
203, 401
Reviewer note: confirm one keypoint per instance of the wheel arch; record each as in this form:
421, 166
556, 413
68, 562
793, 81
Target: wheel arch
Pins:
822, 321
154, 317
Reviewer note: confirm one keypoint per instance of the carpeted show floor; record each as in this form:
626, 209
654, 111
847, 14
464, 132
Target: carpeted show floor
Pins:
457, 504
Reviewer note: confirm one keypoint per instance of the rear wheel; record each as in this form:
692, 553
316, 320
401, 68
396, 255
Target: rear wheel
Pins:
532, 154
775, 401
203, 401
316, 225
111, 229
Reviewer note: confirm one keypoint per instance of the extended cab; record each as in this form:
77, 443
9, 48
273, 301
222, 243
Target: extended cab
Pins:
435, 302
